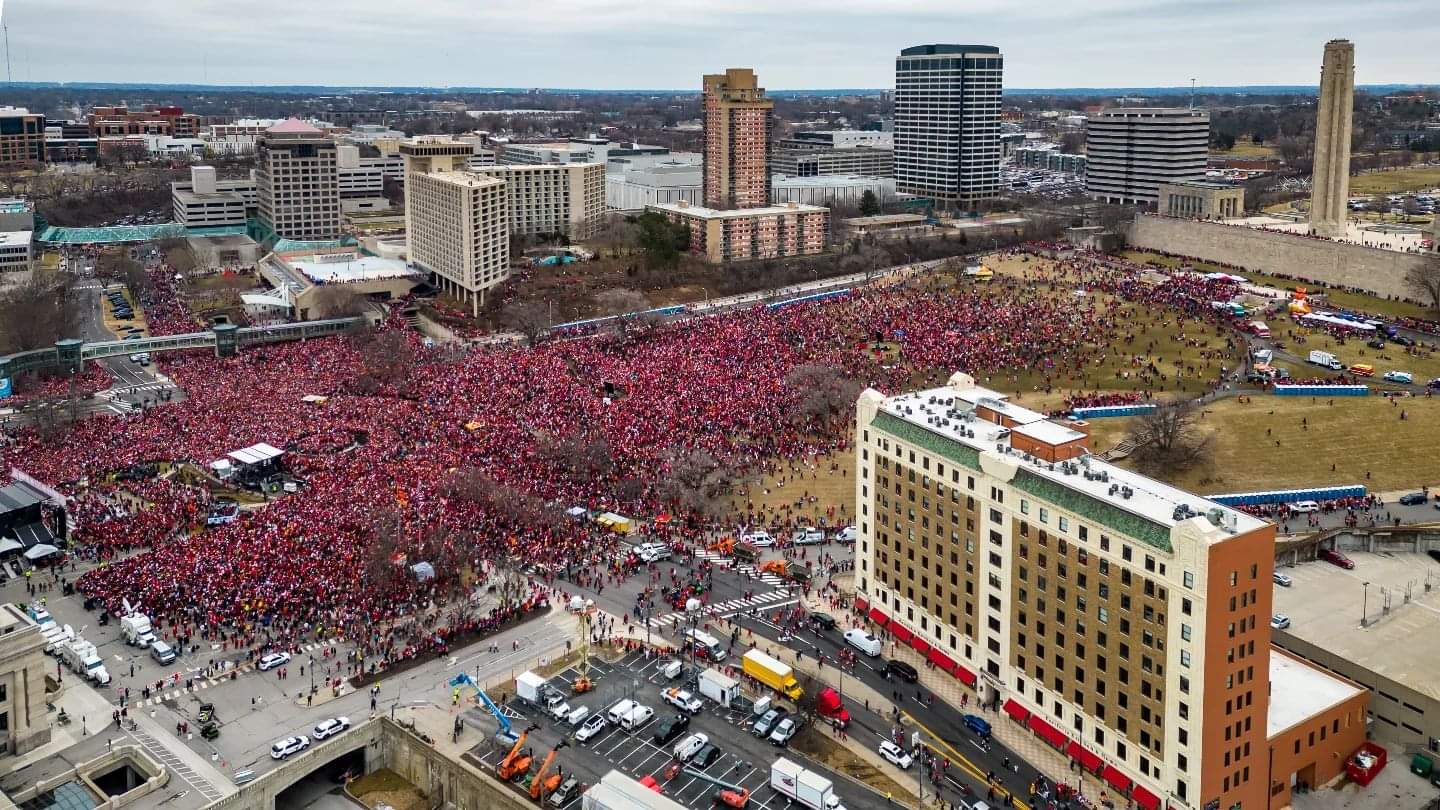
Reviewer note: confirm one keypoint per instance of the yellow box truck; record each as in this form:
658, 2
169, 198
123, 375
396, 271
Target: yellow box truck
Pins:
772, 673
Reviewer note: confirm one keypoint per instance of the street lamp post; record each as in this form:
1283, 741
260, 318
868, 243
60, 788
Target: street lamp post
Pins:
1365, 604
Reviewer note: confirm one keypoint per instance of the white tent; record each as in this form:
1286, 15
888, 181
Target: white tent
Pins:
8, 545
41, 551
255, 454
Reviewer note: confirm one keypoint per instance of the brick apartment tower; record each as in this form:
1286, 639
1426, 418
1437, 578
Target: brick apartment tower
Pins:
738, 122
1330, 181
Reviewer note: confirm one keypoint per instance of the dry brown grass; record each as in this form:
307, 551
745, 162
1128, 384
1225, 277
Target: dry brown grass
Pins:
801, 490
1321, 442
815, 744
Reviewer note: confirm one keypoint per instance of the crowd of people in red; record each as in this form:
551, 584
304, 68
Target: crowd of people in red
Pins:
451, 459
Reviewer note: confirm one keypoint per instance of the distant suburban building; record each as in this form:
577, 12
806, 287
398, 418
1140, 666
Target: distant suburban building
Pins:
868, 161
204, 201
563, 199
1050, 159
828, 139
457, 221
297, 182
152, 120
741, 234
1131, 151
947, 122
738, 122
830, 189
23, 667
22, 137
633, 189
1197, 199
63, 145
536, 154
15, 255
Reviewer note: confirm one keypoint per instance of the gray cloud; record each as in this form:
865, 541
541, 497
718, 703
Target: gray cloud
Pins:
670, 43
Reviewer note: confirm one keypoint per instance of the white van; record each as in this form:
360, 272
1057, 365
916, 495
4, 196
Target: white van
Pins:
578, 715
161, 652
686, 748
652, 552
705, 644
636, 717
619, 710
863, 641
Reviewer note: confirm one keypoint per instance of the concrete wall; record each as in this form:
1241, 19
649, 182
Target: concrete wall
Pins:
1381, 272
387, 745
154, 775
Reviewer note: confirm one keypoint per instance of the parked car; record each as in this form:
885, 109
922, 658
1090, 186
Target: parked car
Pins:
707, 754
896, 755
901, 669
670, 728
1413, 499
1334, 557
977, 724
288, 746
768, 721
686, 748
807, 536
1377, 343
683, 700
331, 727
593, 726
824, 621
1301, 507
784, 730
1399, 377
1282, 580
1362, 370
1279, 621
272, 661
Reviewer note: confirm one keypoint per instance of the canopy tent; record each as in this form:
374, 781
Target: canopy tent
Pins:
423, 571
8, 545
255, 454
41, 551
34, 534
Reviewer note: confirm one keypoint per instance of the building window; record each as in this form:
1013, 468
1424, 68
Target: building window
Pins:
1184, 658
1024, 507
1185, 632
1064, 524
1044, 515
1189, 579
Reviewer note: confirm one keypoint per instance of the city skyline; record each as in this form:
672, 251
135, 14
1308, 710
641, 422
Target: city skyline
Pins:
847, 44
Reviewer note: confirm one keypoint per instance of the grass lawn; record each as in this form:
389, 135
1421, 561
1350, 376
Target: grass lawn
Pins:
1422, 178
1343, 434
1246, 149
1342, 299
801, 490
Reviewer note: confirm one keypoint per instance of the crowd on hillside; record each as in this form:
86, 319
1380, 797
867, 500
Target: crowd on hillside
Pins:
466, 459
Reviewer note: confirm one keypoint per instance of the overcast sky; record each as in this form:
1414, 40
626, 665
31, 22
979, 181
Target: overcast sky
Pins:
793, 44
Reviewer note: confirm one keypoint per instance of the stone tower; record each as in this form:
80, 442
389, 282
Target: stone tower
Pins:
1330, 189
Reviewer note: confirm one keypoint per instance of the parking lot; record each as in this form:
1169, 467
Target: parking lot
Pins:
744, 760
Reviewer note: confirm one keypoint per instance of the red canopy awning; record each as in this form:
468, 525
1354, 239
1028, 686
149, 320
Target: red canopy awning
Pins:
921, 645
901, 633
861, 604
1116, 779
1015, 710
1144, 798
1047, 732
878, 617
1088, 760
941, 660
966, 676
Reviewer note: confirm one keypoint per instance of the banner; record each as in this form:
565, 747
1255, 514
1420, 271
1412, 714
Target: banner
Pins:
5, 389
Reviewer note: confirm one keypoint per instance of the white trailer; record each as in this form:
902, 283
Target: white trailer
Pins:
719, 687
806, 787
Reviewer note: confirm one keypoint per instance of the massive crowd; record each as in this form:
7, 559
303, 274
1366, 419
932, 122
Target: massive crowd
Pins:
450, 458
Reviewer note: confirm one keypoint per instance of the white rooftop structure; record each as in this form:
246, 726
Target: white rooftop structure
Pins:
343, 267
1299, 691
256, 454
15, 238
949, 412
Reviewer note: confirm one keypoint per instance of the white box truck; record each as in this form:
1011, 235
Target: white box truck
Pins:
135, 629
1326, 359
82, 657
719, 687
806, 787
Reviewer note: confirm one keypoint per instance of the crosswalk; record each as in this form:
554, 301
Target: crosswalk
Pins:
743, 569
114, 398
762, 600
179, 690
176, 765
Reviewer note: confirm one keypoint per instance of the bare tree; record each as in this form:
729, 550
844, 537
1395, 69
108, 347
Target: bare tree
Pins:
336, 301
388, 359
529, 318
823, 392
37, 312
1425, 281
629, 305
693, 479
1169, 440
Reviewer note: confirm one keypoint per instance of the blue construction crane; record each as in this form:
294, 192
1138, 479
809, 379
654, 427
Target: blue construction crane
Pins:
505, 734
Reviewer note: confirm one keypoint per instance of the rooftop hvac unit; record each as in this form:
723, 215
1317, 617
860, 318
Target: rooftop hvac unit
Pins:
1085, 461
1215, 515
1114, 488
1103, 475
1232, 522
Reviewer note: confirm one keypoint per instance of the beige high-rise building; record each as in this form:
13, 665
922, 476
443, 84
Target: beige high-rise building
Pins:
562, 199
297, 182
457, 221
738, 122
1330, 181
